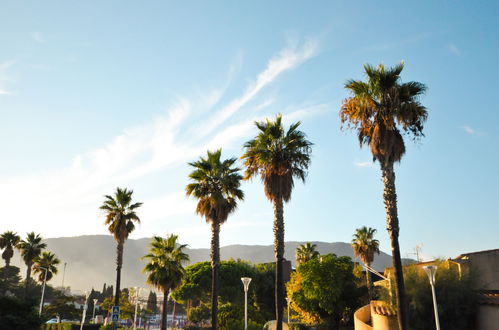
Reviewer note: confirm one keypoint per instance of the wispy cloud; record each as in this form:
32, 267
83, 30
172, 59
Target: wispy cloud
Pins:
453, 49
4, 77
288, 58
471, 130
38, 37
363, 164
68, 197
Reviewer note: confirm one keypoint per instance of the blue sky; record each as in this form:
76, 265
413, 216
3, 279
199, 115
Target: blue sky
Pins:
95, 95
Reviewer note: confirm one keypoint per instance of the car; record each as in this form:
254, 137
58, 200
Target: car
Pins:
54, 320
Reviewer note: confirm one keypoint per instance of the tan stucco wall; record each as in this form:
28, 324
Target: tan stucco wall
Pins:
487, 266
362, 317
488, 317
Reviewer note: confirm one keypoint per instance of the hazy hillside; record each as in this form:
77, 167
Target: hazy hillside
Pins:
91, 259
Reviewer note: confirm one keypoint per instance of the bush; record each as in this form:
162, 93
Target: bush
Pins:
16, 314
457, 300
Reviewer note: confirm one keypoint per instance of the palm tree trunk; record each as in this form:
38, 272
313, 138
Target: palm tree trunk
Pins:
279, 255
6, 269
164, 311
119, 263
173, 313
28, 278
369, 282
215, 264
392, 225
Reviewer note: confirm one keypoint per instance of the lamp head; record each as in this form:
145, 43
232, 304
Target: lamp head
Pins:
431, 270
246, 281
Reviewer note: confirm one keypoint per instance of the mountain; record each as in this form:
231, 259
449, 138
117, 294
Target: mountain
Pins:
91, 260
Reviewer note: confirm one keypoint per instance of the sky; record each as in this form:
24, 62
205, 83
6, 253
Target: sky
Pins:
97, 95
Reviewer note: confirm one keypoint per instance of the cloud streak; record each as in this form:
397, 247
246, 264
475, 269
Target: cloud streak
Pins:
68, 198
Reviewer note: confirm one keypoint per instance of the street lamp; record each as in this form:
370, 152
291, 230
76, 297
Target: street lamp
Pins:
288, 300
431, 271
137, 293
43, 290
93, 313
84, 314
246, 282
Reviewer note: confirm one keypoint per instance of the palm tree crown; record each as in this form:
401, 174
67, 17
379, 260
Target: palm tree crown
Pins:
215, 184
120, 213
165, 266
365, 245
306, 252
381, 108
8, 240
278, 156
46, 261
30, 248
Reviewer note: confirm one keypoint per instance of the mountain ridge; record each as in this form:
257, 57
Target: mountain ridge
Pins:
91, 259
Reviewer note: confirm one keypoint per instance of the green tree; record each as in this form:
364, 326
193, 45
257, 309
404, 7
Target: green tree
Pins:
45, 265
306, 252
30, 248
456, 293
62, 306
152, 302
47, 260
324, 291
165, 267
279, 157
380, 109
120, 217
16, 314
364, 246
8, 240
215, 184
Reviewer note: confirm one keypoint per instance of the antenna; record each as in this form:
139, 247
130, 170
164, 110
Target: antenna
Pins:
417, 252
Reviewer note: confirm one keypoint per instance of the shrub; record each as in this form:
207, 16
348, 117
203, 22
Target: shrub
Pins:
16, 314
457, 300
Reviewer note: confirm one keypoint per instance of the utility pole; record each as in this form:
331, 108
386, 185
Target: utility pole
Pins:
63, 274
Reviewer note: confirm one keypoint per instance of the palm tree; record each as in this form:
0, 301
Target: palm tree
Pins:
279, 157
120, 218
364, 246
8, 241
215, 184
46, 262
306, 252
30, 248
164, 268
380, 109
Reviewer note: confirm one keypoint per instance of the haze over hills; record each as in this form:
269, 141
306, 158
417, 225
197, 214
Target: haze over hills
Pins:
91, 260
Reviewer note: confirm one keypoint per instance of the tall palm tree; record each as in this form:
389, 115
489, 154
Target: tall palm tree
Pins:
306, 252
279, 157
215, 184
8, 240
165, 267
46, 262
30, 248
364, 246
380, 109
120, 218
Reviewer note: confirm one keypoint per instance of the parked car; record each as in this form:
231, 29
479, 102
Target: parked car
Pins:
54, 320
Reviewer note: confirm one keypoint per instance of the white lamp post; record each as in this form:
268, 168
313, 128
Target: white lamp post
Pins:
93, 313
43, 290
137, 292
431, 271
288, 300
84, 314
246, 282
